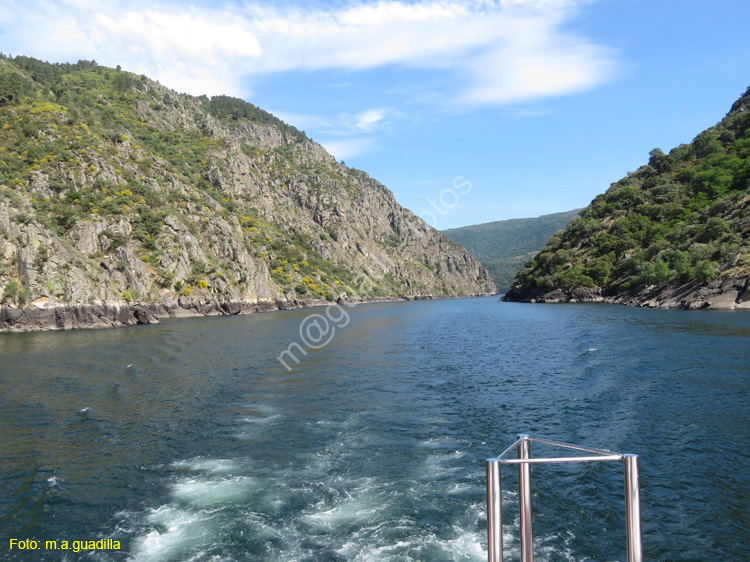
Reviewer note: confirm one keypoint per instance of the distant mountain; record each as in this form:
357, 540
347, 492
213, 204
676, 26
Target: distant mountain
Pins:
504, 247
122, 201
674, 233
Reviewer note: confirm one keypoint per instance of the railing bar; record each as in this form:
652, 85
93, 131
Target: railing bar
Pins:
560, 460
494, 512
509, 449
633, 509
576, 447
524, 497
494, 498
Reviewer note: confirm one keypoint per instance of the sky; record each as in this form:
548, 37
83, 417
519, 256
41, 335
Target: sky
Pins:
469, 111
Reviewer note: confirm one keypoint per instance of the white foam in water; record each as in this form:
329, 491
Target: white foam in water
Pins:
364, 505
260, 420
207, 493
257, 415
439, 443
319, 511
357, 552
350, 510
261, 410
184, 530
211, 466
462, 488
467, 546
435, 465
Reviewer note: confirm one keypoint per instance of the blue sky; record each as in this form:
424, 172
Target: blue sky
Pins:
538, 104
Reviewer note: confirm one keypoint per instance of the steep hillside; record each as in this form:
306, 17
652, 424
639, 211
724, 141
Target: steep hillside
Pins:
675, 233
121, 201
503, 247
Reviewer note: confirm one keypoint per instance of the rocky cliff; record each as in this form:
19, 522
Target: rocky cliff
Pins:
675, 233
122, 201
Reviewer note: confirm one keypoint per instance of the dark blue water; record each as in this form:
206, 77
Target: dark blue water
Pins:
189, 441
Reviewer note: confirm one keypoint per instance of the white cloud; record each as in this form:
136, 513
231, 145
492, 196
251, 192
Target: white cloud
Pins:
396, 12
350, 147
494, 52
181, 35
369, 119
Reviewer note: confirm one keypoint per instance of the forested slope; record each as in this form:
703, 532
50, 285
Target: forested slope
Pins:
674, 233
503, 247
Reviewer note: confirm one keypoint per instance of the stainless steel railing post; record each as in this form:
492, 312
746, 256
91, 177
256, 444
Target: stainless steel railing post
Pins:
633, 508
524, 462
494, 512
524, 498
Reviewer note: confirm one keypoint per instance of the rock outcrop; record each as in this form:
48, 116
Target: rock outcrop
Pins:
122, 202
732, 293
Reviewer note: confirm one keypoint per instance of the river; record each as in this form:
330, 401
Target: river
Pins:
190, 441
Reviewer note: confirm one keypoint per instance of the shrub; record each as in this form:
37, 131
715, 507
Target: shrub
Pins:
41, 257
23, 296
116, 240
600, 271
575, 277
707, 270
715, 228
11, 290
655, 273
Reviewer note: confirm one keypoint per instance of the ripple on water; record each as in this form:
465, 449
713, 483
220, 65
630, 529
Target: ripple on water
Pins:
205, 450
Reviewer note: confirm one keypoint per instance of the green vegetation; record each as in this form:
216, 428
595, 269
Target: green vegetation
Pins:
116, 169
684, 216
503, 247
226, 107
11, 290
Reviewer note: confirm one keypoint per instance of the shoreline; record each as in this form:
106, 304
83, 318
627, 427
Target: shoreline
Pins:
732, 293
117, 314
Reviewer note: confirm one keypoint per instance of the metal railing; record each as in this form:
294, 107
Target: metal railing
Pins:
524, 462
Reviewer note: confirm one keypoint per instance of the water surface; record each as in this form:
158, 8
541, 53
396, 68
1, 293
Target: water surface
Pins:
189, 441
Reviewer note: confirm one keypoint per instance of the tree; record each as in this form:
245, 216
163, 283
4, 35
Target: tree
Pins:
659, 161
655, 273
575, 277
679, 261
600, 270
714, 229
707, 270
13, 87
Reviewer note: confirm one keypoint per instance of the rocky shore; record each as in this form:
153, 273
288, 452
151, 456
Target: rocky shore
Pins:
112, 314
728, 294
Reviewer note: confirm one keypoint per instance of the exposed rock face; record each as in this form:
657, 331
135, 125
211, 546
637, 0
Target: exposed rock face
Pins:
727, 294
171, 211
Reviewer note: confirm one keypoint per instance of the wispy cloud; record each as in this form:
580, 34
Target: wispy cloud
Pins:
349, 148
370, 118
189, 36
498, 52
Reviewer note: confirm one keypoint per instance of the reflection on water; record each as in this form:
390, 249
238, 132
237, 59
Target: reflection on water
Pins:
188, 440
